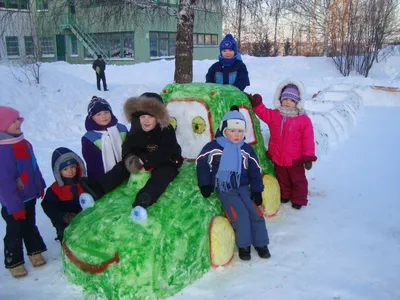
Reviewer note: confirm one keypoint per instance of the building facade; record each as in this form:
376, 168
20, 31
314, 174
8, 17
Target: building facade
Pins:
76, 31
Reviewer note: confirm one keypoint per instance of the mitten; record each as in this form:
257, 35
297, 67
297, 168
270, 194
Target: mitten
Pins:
20, 215
68, 217
257, 100
256, 197
308, 165
132, 163
206, 190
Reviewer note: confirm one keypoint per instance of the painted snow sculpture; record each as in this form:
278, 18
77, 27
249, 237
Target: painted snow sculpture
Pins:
114, 257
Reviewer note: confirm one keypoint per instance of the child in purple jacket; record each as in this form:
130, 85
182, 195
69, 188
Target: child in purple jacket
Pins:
102, 143
21, 183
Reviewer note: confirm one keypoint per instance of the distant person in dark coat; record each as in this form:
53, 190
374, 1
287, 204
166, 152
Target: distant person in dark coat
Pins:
229, 69
99, 66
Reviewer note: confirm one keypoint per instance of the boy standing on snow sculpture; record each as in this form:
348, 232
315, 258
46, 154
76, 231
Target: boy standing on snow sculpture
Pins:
151, 144
230, 166
21, 183
291, 145
229, 69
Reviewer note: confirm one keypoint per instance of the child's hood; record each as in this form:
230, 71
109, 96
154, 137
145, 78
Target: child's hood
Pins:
61, 155
150, 105
282, 85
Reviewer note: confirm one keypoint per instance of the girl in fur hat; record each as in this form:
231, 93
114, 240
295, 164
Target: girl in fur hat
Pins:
291, 145
150, 145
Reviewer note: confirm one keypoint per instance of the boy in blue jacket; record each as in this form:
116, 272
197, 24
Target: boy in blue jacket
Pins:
229, 69
230, 166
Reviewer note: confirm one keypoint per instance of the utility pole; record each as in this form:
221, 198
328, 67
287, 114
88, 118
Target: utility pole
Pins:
240, 23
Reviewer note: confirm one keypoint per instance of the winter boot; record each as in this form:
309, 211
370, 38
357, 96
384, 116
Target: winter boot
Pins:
37, 260
19, 271
92, 187
296, 206
244, 253
263, 252
284, 200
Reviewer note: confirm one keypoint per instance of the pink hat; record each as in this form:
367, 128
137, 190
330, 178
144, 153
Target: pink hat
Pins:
7, 116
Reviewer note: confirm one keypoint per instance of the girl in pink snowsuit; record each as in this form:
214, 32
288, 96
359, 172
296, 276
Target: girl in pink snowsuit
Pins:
291, 145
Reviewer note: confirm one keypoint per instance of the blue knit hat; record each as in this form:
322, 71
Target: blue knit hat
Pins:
67, 163
233, 119
228, 43
97, 105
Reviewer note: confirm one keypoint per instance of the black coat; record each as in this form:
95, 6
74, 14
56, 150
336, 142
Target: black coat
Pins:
155, 148
101, 64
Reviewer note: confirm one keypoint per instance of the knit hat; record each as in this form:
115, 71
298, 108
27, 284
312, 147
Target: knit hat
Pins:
67, 163
97, 105
7, 116
233, 119
228, 43
99, 56
291, 92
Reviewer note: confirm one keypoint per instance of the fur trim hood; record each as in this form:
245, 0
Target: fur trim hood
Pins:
150, 105
282, 85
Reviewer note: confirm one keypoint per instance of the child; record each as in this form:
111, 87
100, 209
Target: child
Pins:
230, 166
101, 144
151, 144
61, 203
21, 182
230, 68
291, 145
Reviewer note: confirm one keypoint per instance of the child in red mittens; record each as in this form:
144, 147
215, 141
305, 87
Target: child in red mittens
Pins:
21, 183
291, 145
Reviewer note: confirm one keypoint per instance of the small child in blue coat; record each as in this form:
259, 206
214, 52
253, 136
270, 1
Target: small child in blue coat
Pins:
229, 69
230, 166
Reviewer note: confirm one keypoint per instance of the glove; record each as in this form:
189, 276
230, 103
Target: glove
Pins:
20, 215
206, 190
256, 197
255, 99
68, 217
308, 165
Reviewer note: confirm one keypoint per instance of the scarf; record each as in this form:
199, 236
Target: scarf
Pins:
9, 139
229, 61
111, 147
230, 166
290, 112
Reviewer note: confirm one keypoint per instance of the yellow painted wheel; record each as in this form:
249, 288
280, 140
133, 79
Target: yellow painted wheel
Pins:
222, 241
271, 196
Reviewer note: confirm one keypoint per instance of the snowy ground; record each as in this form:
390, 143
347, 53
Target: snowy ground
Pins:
344, 245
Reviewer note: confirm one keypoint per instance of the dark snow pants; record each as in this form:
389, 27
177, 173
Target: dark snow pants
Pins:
18, 231
158, 182
246, 218
103, 78
293, 183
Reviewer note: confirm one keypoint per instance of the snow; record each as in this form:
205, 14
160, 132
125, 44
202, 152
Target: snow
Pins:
343, 245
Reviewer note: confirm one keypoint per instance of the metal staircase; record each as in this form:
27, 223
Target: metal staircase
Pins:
89, 41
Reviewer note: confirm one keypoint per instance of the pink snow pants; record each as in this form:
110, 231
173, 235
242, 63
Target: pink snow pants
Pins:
293, 183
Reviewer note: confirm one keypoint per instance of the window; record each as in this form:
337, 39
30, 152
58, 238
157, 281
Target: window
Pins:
29, 46
208, 5
42, 4
15, 4
200, 39
162, 44
47, 46
12, 46
95, 2
115, 45
166, 2
74, 45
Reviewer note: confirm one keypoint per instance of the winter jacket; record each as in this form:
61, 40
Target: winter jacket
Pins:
156, 147
92, 146
235, 74
63, 195
101, 66
20, 176
207, 164
292, 137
